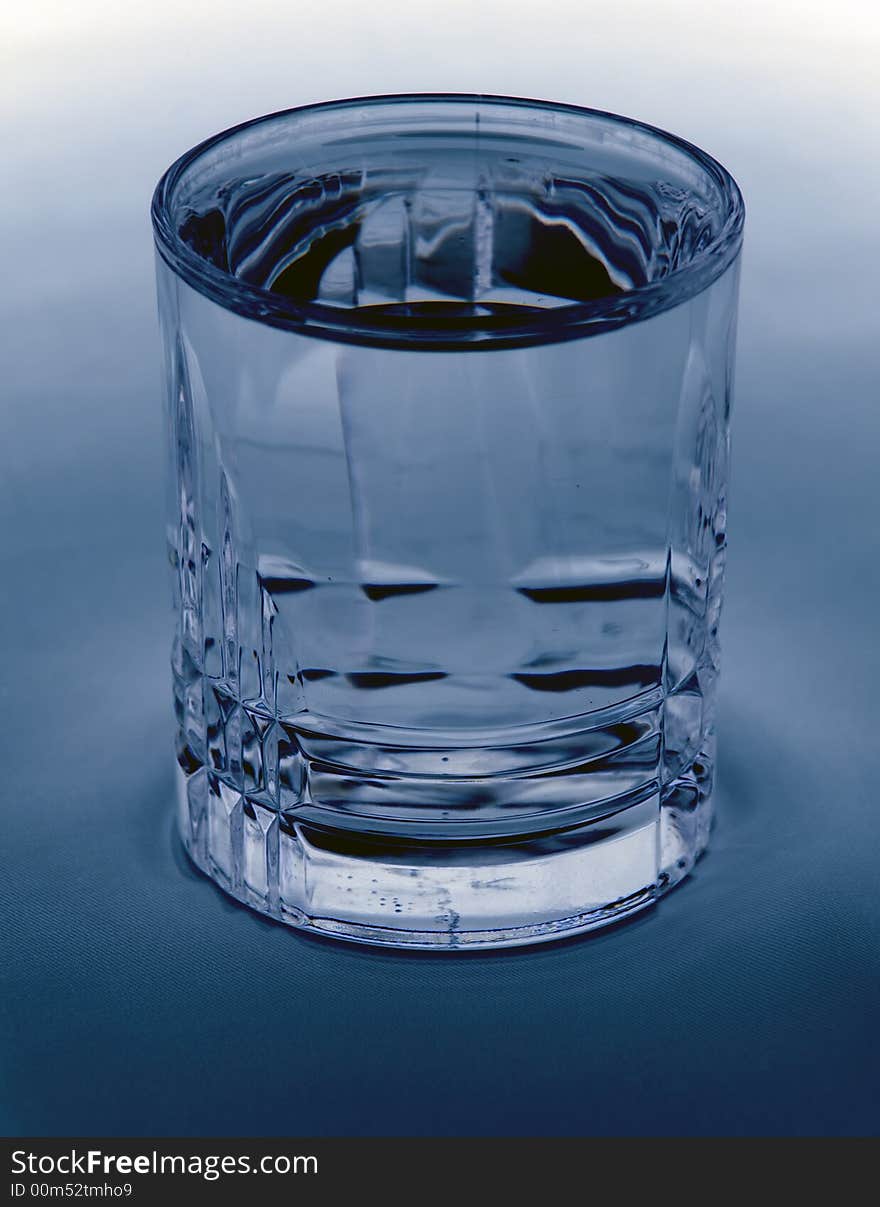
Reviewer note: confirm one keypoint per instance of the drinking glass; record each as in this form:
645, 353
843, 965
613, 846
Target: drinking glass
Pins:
447, 384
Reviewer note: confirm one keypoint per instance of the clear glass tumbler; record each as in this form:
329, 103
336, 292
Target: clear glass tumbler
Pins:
448, 381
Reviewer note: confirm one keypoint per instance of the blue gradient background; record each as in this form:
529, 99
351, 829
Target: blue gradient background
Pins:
136, 999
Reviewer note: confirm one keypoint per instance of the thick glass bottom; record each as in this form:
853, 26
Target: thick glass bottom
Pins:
483, 893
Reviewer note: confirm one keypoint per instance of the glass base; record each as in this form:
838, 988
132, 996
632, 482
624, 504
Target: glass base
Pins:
437, 896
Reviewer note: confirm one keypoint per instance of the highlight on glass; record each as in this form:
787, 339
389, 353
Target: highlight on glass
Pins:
448, 380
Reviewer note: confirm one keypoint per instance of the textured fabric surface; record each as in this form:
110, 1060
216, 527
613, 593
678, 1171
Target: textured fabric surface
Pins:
136, 999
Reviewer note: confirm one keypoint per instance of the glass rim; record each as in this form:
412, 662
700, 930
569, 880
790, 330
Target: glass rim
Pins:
358, 325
